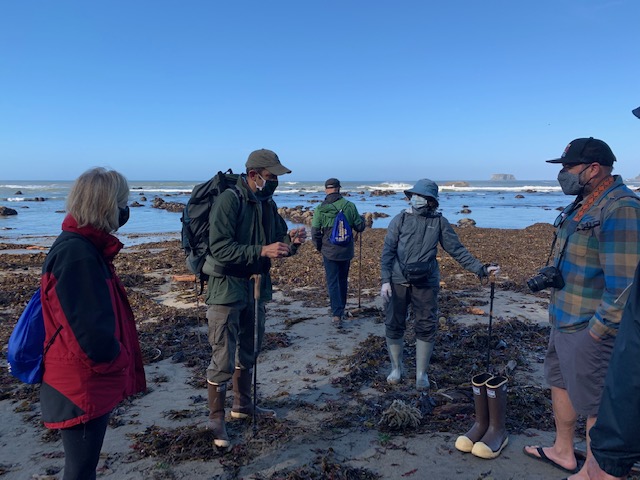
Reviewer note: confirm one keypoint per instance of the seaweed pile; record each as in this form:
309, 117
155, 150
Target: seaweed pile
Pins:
179, 333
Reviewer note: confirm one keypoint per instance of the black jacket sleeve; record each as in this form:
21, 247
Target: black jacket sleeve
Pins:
614, 437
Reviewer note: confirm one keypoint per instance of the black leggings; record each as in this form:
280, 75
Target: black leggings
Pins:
82, 444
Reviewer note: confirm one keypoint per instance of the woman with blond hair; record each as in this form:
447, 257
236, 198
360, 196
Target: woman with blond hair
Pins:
94, 360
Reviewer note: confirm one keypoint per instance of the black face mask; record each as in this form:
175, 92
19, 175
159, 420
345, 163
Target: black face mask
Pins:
268, 189
123, 216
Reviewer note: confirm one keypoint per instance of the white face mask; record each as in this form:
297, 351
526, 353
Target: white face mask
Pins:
418, 202
264, 183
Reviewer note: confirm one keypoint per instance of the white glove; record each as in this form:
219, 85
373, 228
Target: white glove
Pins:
492, 270
385, 291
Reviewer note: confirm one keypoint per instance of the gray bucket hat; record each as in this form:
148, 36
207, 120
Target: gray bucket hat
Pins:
425, 188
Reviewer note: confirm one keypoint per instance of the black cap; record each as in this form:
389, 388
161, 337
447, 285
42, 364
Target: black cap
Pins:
636, 112
332, 183
586, 150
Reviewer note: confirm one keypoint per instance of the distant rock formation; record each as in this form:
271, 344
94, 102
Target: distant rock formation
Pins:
502, 177
175, 207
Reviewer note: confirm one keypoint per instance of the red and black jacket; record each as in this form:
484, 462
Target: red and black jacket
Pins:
95, 361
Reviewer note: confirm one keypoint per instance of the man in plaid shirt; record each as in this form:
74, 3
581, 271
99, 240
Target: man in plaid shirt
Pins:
596, 251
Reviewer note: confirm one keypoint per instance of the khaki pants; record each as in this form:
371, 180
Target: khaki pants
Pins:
231, 336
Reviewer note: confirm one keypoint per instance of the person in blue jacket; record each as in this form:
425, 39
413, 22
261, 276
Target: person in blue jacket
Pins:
411, 275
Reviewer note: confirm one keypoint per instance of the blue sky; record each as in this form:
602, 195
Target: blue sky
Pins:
360, 90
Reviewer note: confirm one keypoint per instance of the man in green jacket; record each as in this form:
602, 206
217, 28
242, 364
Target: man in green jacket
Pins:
246, 232
336, 258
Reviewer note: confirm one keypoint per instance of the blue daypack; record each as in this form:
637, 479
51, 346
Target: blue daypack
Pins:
341, 233
26, 349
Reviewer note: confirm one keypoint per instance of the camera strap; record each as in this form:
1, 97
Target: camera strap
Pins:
584, 208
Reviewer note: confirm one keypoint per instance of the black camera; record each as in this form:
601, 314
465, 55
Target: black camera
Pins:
548, 276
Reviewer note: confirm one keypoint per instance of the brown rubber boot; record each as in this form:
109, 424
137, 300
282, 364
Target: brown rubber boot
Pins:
217, 394
242, 404
496, 437
465, 442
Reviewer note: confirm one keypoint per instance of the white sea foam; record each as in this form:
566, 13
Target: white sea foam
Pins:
161, 190
388, 186
498, 188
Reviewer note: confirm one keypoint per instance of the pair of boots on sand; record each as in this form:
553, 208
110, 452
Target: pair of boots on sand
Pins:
423, 357
242, 405
488, 435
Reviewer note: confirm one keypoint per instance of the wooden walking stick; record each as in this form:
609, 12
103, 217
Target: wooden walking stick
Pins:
256, 302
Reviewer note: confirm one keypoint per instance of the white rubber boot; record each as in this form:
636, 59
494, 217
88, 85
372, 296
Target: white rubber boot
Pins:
395, 347
423, 357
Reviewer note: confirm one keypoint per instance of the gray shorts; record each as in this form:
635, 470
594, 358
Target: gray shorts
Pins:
578, 364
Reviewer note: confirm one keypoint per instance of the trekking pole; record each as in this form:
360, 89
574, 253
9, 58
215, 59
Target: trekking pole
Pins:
492, 281
195, 290
359, 268
256, 300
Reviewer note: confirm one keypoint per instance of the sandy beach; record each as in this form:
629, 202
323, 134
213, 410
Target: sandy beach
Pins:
328, 386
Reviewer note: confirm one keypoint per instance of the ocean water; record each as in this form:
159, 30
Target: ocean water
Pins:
492, 204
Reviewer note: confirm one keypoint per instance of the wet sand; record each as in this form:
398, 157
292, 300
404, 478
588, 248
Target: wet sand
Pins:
328, 386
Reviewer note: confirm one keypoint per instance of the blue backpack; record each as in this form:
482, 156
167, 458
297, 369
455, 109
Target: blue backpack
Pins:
341, 233
26, 349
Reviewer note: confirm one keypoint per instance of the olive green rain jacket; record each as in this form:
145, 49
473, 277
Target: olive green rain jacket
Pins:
322, 224
240, 225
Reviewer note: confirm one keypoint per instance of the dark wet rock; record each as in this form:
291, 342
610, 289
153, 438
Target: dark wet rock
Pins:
298, 214
382, 193
175, 207
466, 222
6, 211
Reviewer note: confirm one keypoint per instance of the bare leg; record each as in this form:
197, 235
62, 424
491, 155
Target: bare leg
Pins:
596, 473
588, 467
565, 418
